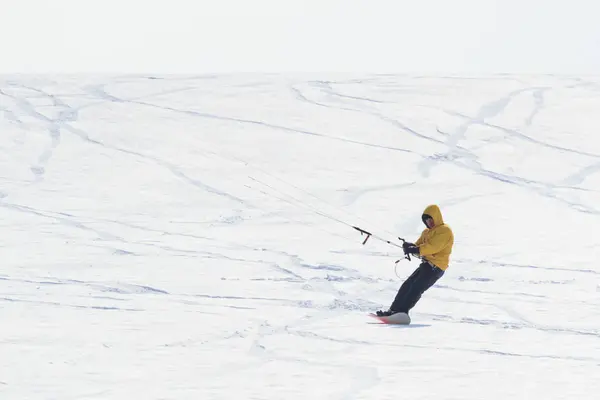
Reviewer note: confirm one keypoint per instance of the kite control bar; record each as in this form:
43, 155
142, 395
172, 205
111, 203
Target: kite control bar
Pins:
369, 234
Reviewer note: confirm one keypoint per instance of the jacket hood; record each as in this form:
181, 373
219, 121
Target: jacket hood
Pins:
435, 213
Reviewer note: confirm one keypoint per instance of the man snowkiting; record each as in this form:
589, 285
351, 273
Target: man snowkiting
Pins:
434, 246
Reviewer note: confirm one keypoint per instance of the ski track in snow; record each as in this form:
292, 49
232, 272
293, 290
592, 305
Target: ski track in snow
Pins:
178, 279
579, 177
67, 115
463, 158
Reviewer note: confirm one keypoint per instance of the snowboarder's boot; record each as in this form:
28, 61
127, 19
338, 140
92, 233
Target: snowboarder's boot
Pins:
389, 313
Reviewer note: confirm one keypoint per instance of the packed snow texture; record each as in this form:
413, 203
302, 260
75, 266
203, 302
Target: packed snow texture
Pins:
190, 237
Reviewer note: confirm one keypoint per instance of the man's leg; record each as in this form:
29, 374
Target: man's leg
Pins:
425, 280
399, 303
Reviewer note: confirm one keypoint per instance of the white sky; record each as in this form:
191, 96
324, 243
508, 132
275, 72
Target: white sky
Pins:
419, 36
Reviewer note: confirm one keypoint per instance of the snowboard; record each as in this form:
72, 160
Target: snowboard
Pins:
396, 319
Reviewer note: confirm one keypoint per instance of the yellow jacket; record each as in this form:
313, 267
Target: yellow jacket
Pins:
435, 244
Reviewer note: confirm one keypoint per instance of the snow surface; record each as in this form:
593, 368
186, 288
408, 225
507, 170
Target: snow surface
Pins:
189, 237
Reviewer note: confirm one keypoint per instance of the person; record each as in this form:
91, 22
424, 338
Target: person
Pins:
434, 247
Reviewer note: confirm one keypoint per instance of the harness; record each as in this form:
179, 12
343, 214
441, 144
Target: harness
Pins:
432, 265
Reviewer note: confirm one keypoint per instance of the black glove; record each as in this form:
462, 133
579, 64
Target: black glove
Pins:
410, 248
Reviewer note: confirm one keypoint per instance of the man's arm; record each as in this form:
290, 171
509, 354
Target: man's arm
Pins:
420, 239
435, 244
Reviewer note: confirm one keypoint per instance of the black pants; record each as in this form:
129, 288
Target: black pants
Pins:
411, 290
